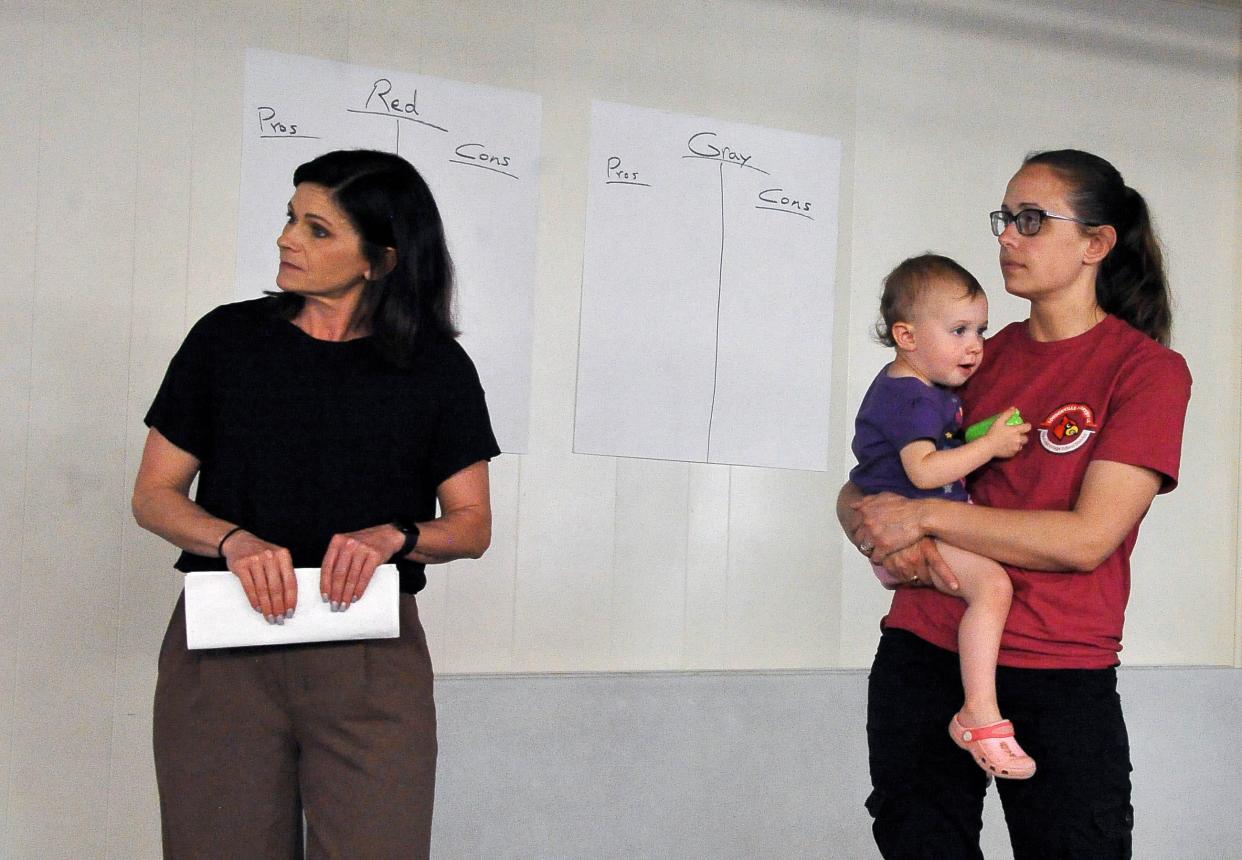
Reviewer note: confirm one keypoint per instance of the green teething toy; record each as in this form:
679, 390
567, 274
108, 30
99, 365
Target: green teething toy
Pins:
974, 431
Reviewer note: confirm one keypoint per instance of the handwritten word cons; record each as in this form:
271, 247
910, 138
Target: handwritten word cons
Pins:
776, 198
478, 152
703, 146
381, 92
478, 155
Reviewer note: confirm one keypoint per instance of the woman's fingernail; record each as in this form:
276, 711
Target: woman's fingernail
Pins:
336, 607
280, 619
289, 612
269, 619
323, 595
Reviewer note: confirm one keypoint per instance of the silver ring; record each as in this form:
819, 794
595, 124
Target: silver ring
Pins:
914, 578
866, 548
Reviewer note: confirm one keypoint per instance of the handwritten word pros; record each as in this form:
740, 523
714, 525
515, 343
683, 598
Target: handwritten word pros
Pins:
269, 125
381, 96
614, 170
703, 145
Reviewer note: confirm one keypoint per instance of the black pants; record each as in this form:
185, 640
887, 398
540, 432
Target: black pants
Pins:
927, 797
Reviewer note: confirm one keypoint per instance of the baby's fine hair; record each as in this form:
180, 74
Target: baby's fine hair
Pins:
904, 285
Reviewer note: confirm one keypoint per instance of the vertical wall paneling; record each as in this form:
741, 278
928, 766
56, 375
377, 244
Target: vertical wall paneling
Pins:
649, 565
1237, 410
159, 174
782, 588
21, 71
565, 548
75, 509
477, 615
215, 147
706, 636
564, 564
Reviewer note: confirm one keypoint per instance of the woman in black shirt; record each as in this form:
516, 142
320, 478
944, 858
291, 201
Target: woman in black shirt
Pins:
324, 423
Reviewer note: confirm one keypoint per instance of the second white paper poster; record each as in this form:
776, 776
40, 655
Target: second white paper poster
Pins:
708, 280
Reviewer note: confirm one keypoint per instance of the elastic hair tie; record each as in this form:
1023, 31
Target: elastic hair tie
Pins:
228, 534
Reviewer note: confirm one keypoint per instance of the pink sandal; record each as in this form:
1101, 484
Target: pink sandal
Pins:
994, 748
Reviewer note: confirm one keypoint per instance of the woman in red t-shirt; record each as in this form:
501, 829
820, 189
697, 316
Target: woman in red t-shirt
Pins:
1091, 370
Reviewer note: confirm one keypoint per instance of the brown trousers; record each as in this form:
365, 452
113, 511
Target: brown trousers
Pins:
249, 739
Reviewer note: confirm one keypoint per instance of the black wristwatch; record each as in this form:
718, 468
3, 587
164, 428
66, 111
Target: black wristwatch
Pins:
410, 530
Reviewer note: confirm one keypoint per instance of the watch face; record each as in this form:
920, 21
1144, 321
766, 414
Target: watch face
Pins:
411, 538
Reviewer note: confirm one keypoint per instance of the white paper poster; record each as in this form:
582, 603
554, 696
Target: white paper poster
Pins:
708, 278
478, 149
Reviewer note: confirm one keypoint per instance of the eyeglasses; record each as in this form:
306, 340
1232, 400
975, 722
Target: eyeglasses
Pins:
1028, 221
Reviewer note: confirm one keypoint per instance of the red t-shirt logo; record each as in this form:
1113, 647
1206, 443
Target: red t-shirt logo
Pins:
1067, 428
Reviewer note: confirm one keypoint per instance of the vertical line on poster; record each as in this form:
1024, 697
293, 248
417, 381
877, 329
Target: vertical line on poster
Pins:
719, 291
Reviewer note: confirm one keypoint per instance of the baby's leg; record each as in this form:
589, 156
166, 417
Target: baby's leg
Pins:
987, 591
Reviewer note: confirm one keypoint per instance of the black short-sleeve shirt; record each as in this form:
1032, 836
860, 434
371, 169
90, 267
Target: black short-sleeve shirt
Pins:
300, 439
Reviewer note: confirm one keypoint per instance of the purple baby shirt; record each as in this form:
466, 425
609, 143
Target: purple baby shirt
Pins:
895, 412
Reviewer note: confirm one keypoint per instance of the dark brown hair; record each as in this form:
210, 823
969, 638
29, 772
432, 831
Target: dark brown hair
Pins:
1131, 283
390, 206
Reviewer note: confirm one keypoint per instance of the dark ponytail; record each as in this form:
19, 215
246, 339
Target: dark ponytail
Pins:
1131, 283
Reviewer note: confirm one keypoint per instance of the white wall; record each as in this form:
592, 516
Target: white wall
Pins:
120, 128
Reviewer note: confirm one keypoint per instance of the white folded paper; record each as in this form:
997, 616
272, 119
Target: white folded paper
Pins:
218, 615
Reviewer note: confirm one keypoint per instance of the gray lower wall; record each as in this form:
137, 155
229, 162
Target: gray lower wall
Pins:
766, 765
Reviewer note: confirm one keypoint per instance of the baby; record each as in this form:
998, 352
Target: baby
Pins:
907, 439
